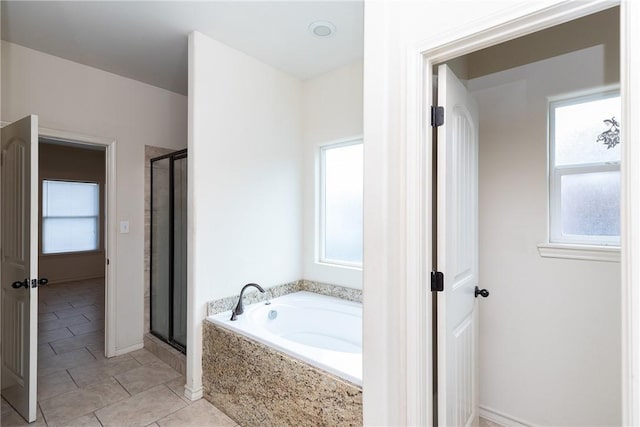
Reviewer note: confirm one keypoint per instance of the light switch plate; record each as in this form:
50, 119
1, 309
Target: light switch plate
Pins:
124, 227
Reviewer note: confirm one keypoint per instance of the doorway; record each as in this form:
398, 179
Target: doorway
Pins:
547, 306
40, 226
72, 212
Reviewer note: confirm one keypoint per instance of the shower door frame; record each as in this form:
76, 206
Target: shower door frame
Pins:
176, 155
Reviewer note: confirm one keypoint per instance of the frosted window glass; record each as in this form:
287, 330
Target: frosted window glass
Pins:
69, 234
591, 204
62, 198
576, 128
343, 175
70, 213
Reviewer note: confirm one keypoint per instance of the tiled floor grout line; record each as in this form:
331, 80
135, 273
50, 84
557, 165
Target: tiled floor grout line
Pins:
123, 387
174, 392
71, 376
171, 413
43, 417
69, 398
96, 415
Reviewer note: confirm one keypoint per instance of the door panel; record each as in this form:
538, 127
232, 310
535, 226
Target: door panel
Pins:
457, 252
19, 257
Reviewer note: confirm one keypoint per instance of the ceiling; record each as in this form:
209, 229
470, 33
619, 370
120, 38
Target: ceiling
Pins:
147, 40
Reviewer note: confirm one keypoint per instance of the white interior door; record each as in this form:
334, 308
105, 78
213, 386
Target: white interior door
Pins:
457, 253
19, 257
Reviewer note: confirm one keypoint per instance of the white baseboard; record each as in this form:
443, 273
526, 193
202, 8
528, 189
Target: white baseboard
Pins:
501, 418
192, 394
129, 349
75, 279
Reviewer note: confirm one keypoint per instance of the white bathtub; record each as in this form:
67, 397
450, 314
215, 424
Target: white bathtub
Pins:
323, 331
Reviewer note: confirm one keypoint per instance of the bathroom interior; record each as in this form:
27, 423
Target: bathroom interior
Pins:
512, 84
260, 145
548, 331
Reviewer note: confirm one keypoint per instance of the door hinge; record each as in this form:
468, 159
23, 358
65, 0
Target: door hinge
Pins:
437, 116
437, 281
107, 261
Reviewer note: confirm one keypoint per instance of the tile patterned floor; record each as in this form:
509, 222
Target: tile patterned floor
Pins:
486, 423
78, 386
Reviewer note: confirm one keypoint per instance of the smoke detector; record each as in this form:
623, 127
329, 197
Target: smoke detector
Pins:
322, 29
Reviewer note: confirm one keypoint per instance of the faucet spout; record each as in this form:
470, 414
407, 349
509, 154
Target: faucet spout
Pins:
240, 306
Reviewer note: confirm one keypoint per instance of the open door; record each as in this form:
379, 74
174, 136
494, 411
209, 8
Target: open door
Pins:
19, 256
457, 253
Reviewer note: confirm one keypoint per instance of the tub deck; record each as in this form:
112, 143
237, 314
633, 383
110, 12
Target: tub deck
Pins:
258, 385
324, 331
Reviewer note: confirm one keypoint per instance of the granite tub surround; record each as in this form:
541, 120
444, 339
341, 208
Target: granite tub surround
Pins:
257, 385
254, 296
336, 291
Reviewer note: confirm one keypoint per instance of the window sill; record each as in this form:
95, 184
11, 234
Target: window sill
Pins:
580, 252
78, 253
338, 265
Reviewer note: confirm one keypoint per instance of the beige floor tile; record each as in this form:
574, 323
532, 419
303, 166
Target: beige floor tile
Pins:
70, 312
94, 315
98, 350
50, 298
101, 371
48, 325
6, 408
44, 351
87, 327
74, 343
88, 420
177, 386
10, 418
50, 308
200, 413
63, 361
47, 316
141, 409
146, 377
486, 423
145, 356
61, 409
54, 335
57, 383
83, 302
85, 296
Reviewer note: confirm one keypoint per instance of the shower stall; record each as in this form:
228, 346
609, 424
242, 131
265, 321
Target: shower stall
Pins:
168, 240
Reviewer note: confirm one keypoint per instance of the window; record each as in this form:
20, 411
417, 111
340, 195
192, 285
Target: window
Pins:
70, 216
585, 170
341, 181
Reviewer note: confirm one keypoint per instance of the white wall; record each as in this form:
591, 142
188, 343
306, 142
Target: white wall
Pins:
550, 331
245, 175
79, 99
332, 112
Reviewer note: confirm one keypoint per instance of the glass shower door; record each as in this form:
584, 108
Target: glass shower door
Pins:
180, 251
169, 248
